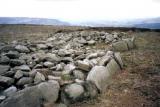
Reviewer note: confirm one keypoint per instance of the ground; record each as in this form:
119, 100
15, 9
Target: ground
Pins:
137, 85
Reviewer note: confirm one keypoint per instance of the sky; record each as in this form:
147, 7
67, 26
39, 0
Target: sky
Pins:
81, 10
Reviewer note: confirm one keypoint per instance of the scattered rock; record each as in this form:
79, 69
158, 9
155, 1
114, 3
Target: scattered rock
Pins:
120, 46
13, 54
6, 81
10, 91
39, 78
4, 60
78, 74
22, 49
72, 93
16, 62
18, 74
34, 96
84, 65
48, 64
100, 76
24, 80
4, 69
24, 68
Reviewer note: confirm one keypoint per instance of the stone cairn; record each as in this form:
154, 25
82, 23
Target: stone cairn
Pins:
64, 69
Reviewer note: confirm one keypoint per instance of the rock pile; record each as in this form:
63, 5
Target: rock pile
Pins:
59, 69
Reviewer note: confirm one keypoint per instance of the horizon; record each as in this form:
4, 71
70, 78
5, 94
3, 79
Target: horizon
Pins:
74, 11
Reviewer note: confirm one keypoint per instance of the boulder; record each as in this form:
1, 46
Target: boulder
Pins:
130, 42
6, 81
22, 49
4, 69
10, 91
39, 77
78, 74
4, 60
112, 67
93, 55
24, 80
13, 54
16, 62
104, 60
91, 42
84, 65
24, 68
48, 64
34, 96
118, 59
72, 93
18, 74
100, 76
6, 48
42, 46
120, 46
91, 90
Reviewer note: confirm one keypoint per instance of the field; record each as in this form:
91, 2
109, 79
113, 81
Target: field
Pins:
137, 85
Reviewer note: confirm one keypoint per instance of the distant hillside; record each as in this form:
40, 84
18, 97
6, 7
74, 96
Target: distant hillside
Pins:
151, 23
36, 21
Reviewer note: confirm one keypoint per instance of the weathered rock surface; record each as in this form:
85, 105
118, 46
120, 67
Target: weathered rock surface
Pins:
34, 96
4, 69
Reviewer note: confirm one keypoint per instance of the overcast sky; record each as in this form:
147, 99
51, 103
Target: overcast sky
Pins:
81, 10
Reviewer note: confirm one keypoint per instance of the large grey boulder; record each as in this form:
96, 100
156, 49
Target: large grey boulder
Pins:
118, 59
72, 93
34, 96
4, 69
120, 46
112, 67
130, 42
100, 76
22, 49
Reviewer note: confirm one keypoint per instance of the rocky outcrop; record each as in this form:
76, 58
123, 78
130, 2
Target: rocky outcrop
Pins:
66, 66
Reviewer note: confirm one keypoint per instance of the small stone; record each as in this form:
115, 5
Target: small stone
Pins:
84, 65
78, 74
4, 69
42, 46
18, 74
13, 54
22, 49
39, 78
2, 97
48, 64
16, 62
24, 80
24, 68
4, 60
91, 42
10, 91
6, 81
